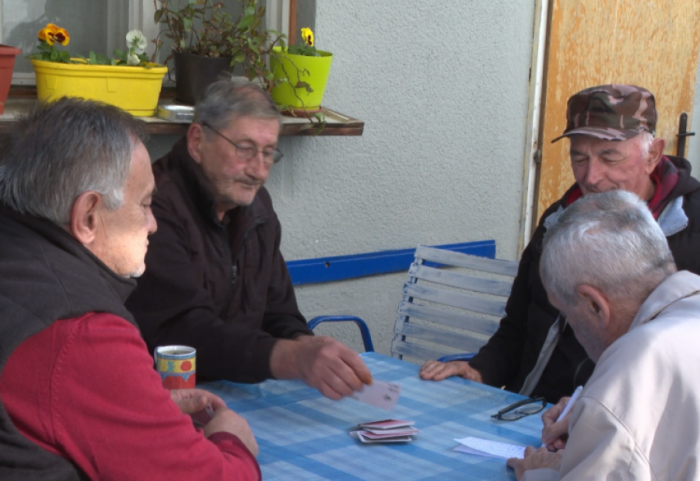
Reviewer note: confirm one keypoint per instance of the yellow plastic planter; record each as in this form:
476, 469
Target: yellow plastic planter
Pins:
312, 70
134, 89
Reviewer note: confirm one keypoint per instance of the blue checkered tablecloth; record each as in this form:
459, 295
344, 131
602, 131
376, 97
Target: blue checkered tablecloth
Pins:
304, 436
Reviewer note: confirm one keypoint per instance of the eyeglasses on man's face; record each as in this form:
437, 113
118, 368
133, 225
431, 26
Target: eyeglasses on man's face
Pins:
521, 409
247, 152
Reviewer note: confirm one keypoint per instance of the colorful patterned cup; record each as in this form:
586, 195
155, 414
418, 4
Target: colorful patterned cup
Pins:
176, 366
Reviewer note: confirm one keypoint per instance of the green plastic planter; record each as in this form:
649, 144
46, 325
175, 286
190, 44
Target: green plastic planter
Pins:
312, 70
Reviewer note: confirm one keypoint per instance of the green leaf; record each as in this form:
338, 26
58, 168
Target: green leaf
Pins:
65, 57
54, 55
187, 22
239, 57
93, 57
158, 15
246, 22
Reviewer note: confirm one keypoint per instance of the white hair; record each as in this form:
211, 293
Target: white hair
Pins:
610, 241
645, 139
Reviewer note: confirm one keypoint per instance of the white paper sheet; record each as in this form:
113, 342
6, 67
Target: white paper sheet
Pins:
491, 449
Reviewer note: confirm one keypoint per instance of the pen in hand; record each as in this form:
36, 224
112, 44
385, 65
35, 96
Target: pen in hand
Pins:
571, 403
569, 406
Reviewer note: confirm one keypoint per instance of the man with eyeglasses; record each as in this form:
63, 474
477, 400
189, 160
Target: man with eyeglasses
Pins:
216, 279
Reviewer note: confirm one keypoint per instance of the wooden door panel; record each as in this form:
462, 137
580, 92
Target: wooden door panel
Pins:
653, 44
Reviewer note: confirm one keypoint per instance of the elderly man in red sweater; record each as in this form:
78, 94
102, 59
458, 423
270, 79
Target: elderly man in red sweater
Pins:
78, 394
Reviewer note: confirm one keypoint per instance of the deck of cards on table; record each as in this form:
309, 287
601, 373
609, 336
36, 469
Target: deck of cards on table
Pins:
385, 431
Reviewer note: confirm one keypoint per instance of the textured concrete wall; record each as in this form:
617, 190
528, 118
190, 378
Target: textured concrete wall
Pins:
442, 87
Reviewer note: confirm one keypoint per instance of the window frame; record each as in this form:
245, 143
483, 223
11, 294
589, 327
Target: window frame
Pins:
140, 14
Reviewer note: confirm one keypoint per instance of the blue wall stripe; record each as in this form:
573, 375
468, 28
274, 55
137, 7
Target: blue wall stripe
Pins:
325, 269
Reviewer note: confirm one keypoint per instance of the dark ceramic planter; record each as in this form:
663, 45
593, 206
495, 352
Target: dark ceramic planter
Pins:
7, 65
194, 73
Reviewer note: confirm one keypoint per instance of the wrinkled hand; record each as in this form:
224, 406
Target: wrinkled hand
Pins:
555, 434
191, 401
437, 371
535, 459
321, 362
331, 367
227, 421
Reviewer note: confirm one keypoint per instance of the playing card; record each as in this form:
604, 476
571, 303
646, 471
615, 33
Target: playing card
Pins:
366, 440
381, 394
388, 432
386, 424
385, 435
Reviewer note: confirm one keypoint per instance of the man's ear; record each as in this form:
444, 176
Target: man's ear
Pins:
656, 151
597, 304
195, 138
84, 217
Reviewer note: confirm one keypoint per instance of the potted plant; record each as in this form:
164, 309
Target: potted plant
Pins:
206, 41
128, 80
7, 65
301, 73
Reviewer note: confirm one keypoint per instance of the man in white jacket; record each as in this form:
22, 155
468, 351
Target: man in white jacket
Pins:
607, 267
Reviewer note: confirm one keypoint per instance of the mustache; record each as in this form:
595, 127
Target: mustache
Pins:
244, 179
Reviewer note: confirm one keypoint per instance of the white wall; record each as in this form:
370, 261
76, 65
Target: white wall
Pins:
442, 87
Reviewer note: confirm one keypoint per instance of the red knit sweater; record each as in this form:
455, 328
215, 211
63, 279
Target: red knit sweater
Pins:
85, 389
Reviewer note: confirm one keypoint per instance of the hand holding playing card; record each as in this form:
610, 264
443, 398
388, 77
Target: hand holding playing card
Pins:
225, 420
191, 401
322, 363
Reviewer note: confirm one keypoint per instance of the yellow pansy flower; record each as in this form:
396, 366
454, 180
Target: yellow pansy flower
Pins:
46, 35
62, 36
53, 33
308, 36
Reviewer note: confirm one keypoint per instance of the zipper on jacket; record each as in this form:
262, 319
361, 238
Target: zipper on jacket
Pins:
227, 246
227, 249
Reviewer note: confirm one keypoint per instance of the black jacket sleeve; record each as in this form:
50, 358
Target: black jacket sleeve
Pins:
512, 352
499, 359
178, 300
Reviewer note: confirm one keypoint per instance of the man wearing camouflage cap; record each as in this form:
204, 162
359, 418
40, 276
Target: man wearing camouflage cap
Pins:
611, 130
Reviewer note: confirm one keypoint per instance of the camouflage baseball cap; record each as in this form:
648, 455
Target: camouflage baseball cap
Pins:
610, 112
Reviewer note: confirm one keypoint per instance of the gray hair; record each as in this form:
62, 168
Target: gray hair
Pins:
645, 141
609, 241
62, 149
230, 98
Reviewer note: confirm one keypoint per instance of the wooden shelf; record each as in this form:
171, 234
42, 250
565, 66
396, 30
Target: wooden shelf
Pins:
22, 99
